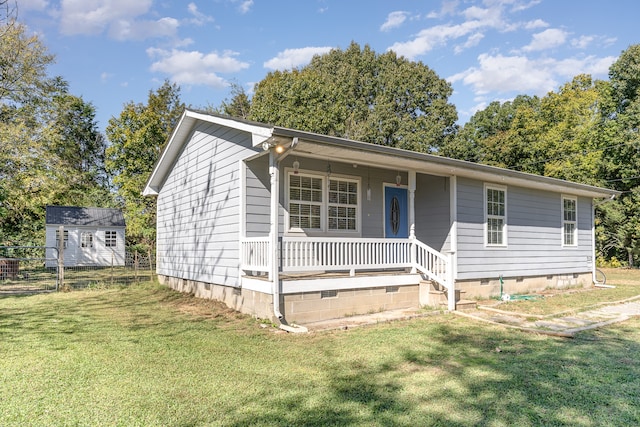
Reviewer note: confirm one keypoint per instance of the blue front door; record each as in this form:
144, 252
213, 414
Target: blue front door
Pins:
396, 212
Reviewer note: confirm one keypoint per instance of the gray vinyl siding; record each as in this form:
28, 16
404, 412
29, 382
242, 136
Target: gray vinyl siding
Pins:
534, 235
371, 212
433, 218
258, 197
199, 206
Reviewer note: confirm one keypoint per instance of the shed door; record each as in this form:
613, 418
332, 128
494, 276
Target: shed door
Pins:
396, 212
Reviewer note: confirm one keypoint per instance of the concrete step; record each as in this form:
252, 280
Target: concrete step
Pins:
465, 304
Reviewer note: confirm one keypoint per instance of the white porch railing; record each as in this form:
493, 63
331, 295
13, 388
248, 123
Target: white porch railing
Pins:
254, 254
332, 254
301, 254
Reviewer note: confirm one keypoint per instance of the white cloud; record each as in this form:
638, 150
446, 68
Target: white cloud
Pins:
520, 6
94, 16
571, 67
430, 38
119, 18
195, 68
476, 20
38, 5
472, 41
547, 39
506, 74
519, 74
292, 58
394, 20
140, 30
105, 77
199, 18
582, 42
535, 24
245, 6
448, 8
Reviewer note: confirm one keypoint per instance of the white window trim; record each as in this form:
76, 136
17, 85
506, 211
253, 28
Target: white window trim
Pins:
575, 223
86, 244
486, 216
115, 239
65, 242
324, 210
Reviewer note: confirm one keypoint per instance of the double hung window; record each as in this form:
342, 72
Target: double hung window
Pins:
495, 216
569, 221
321, 203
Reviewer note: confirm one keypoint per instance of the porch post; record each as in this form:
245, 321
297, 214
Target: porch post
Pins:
273, 229
274, 276
412, 217
412, 204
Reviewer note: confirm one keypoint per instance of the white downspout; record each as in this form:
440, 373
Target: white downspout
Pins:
274, 271
453, 240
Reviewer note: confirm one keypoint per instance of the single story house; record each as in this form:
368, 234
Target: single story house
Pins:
286, 224
91, 236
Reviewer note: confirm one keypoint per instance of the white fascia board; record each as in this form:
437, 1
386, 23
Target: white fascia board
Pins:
258, 133
178, 138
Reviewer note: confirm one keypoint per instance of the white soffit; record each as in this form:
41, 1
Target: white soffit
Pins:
402, 160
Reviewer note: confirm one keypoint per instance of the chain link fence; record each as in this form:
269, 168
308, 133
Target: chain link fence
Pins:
26, 269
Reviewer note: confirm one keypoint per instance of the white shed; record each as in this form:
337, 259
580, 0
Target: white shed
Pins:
92, 236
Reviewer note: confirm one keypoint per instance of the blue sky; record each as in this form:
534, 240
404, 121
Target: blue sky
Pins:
116, 51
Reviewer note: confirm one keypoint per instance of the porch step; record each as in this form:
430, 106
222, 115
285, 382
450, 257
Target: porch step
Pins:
465, 304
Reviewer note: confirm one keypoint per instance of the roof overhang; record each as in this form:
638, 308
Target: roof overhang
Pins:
362, 153
339, 149
260, 133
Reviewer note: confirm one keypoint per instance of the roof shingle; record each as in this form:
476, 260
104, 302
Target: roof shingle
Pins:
72, 215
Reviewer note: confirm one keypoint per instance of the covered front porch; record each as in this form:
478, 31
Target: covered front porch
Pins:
340, 220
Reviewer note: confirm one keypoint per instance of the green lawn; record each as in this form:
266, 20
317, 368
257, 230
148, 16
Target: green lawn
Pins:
146, 356
626, 284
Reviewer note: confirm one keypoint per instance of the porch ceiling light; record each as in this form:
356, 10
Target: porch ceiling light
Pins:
296, 166
398, 179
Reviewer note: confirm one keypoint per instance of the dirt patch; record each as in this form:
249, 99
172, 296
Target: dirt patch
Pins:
204, 308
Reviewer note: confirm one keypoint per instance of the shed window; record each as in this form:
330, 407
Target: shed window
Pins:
86, 240
569, 221
65, 243
110, 239
496, 216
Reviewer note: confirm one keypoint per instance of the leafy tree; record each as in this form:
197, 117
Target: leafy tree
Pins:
621, 168
23, 64
49, 143
482, 138
238, 106
358, 94
570, 146
137, 137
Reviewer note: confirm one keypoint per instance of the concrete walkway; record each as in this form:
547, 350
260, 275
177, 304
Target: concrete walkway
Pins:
351, 322
563, 325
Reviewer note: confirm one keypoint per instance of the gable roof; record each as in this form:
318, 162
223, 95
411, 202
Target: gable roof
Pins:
80, 216
315, 145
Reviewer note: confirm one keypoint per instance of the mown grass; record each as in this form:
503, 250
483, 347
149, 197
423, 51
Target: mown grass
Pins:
626, 282
146, 356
